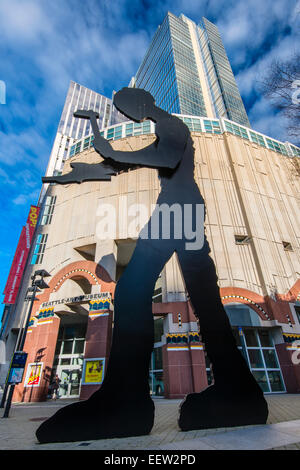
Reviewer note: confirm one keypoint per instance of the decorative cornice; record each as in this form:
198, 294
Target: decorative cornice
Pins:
241, 297
68, 274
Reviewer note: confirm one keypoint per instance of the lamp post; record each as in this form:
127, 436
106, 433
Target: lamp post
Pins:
36, 286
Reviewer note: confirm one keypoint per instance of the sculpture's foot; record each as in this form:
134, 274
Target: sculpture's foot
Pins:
97, 418
217, 407
83, 172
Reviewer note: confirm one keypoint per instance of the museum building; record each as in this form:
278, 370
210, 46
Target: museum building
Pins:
85, 239
87, 232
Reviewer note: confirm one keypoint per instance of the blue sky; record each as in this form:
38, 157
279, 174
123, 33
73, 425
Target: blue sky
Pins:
100, 43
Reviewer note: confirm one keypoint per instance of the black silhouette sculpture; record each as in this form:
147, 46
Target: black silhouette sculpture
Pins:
122, 406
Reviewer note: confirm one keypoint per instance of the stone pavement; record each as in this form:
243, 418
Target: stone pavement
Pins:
282, 431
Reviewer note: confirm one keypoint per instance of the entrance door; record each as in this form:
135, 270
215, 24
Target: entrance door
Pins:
68, 359
70, 378
258, 349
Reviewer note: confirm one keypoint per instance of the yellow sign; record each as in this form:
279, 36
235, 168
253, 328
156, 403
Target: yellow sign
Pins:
93, 371
33, 215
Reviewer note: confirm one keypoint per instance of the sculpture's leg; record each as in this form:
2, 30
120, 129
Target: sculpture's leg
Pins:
122, 406
235, 399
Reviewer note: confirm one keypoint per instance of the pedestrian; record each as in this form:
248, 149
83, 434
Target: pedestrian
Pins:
54, 387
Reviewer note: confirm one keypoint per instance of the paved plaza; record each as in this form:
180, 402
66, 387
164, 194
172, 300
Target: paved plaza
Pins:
281, 432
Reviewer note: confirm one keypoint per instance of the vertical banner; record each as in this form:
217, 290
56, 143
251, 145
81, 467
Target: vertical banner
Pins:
20, 258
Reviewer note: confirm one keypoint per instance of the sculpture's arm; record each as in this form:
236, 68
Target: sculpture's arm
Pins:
163, 153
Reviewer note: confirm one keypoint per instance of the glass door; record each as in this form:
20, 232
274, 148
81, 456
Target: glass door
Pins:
68, 362
70, 378
156, 377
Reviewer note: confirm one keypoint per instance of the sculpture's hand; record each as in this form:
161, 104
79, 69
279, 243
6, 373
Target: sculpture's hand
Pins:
102, 146
83, 172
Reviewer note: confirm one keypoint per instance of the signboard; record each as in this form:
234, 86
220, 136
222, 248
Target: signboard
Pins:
17, 367
79, 298
34, 374
20, 258
93, 371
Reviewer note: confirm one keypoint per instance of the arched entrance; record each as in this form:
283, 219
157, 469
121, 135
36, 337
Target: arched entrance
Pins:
71, 294
71, 323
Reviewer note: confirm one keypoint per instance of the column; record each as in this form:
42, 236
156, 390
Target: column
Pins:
40, 345
97, 346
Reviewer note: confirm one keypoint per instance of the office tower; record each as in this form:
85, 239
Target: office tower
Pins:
187, 70
71, 129
225, 94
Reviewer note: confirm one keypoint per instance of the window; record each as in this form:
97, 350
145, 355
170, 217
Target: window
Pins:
129, 129
39, 250
78, 147
259, 351
72, 151
242, 239
48, 210
110, 134
158, 329
209, 372
287, 246
86, 143
156, 379
157, 294
146, 127
297, 310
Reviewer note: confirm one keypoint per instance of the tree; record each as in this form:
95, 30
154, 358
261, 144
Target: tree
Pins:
281, 85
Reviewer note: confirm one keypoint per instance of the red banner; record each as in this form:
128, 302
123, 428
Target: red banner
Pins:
20, 258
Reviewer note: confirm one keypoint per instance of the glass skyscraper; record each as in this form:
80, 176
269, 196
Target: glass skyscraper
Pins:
187, 70
225, 94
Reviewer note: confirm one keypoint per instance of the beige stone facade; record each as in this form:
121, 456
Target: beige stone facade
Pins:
248, 190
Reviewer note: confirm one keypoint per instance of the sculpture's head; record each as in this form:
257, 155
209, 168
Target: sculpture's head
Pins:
135, 103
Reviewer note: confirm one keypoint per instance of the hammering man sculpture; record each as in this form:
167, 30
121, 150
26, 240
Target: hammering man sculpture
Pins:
123, 406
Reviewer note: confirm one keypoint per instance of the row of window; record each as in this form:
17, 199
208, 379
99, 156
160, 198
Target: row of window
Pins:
245, 240
41, 241
195, 124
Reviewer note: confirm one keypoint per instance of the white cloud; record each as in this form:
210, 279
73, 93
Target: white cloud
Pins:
20, 200
22, 20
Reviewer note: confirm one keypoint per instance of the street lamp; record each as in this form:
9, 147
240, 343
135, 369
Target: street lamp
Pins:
36, 286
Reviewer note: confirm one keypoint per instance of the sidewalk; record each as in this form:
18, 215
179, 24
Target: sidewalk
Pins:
281, 432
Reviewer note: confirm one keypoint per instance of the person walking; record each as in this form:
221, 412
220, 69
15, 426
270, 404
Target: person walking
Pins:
55, 387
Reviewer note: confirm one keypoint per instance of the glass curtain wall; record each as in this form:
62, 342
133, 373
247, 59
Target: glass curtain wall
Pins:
169, 70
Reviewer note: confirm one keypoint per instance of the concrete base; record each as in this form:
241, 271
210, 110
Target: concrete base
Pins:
263, 437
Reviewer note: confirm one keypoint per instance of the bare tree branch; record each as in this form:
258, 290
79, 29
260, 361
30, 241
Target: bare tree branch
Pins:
281, 85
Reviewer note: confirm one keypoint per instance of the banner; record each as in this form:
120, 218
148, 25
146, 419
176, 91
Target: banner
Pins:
20, 258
